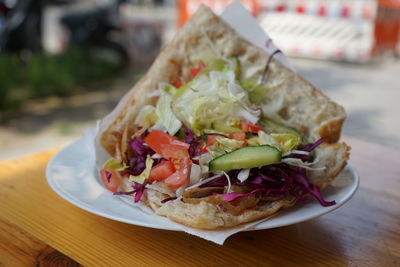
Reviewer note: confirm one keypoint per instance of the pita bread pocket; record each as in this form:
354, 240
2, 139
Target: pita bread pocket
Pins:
219, 133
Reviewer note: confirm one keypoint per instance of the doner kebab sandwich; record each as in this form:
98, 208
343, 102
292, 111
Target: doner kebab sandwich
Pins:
219, 133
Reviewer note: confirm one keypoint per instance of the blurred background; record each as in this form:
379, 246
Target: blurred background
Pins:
64, 63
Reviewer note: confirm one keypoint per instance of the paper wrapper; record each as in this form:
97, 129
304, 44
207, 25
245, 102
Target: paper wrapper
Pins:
247, 26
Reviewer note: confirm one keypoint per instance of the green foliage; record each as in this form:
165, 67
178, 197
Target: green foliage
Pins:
48, 75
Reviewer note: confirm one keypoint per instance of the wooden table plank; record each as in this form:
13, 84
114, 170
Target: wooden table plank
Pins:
19, 248
363, 232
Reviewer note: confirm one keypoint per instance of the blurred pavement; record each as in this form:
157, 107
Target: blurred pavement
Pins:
370, 93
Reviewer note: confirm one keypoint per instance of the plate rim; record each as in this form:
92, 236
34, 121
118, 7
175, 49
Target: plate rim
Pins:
91, 209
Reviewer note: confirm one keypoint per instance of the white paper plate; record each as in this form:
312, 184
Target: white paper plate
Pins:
72, 175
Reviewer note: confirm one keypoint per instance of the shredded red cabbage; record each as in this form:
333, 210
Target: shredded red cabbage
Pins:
137, 164
137, 144
276, 180
262, 191
312, 146
108, 175
193, 141
139, 188
138, 191
306, 148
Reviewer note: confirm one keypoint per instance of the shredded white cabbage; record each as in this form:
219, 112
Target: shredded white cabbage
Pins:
300, 163
156, 156
204, 159
195, 174
202, 182
228, 190
215, 99
180, 191
161, 187
223, 145
298, 152
266, 139
243, 175
166, 116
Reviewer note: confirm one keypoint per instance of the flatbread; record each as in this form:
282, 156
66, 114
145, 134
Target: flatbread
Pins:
291, 101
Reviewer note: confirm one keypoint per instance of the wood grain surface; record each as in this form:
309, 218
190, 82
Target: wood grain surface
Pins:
39, 228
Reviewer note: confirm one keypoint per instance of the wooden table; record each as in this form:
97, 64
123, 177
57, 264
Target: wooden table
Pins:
39, 228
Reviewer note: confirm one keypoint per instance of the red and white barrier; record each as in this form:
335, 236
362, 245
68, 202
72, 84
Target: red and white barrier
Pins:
351, 30
334, 29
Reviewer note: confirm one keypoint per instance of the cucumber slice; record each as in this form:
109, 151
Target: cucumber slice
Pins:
245, 158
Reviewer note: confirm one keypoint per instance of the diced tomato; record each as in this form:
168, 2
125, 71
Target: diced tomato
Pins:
177, 84
203, 147
170, 151
165, 144
161, 171
111, 179
238, 136
176, 142
211, 139
248, 127
195, 71
181, 175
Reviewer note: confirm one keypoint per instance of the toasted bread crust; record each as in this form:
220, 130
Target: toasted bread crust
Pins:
208, 216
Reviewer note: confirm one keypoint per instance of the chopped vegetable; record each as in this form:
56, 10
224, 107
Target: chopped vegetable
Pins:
145, 174
161, 171
213, 98
114, 164
248, 127
266, 139
287, 141
195, 71
181, 175
111, 179
211, 124
165, 144
165, 115
246, 157
222, 145
238, 136
146, 117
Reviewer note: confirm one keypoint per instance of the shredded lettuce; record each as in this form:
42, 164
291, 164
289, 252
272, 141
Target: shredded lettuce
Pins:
227, 127
204, 159
287, 141
145, 174
255, 90
284, 142
223, 145
299, 163
228, 179
214, 98
114, 164
266, 139
165, 115
146, 117
169, 88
